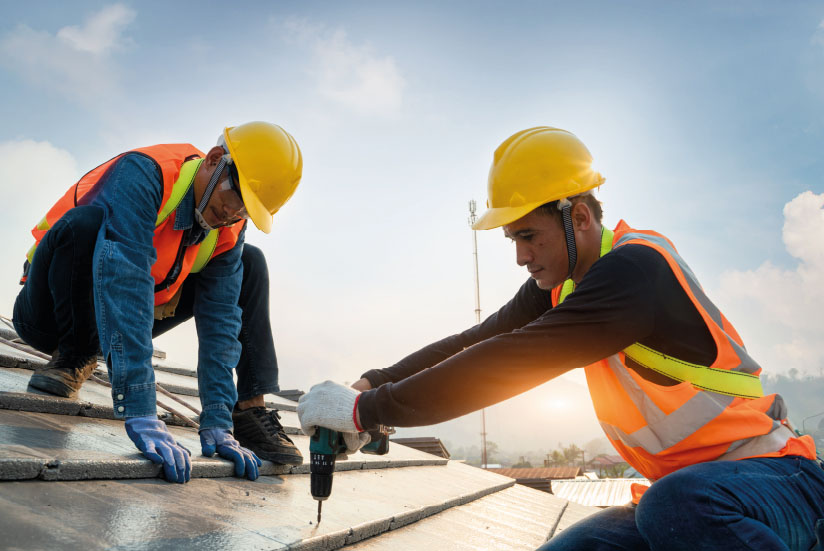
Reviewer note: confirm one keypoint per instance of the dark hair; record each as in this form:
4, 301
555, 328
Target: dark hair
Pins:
551, 208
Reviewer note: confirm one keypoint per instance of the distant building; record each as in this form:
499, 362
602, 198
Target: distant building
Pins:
426, 444
539, 478
609, 466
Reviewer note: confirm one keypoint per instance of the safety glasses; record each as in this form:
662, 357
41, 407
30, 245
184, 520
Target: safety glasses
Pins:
232, 195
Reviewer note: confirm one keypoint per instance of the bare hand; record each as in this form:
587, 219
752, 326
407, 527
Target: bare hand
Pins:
362, 385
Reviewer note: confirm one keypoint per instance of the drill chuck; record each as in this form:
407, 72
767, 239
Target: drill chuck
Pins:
321, 468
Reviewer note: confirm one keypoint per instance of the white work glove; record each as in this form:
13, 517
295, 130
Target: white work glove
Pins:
332, 405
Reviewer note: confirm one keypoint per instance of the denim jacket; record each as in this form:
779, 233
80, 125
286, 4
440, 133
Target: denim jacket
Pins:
131, 194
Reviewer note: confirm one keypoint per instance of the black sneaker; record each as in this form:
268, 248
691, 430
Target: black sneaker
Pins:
63, 375
259, 430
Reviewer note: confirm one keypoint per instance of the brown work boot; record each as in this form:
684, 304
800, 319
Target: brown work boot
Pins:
63, 375
259, 430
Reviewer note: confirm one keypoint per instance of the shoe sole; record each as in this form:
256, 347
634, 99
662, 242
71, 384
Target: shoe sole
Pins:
52, 386
277, 458
281, 459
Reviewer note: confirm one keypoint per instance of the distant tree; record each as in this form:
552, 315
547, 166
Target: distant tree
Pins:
491, 451
522, 464
572, 455
555, 459
615, 471
567, 456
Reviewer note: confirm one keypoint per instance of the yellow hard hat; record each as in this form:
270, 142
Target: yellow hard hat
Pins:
269, 166
533, 167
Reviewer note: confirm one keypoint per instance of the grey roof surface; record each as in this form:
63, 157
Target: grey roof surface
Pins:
71, 479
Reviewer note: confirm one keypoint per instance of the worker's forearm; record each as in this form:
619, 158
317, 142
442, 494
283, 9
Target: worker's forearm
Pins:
528, 304
477, 377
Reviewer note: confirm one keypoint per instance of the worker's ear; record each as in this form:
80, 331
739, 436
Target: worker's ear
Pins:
581, 216
214, 155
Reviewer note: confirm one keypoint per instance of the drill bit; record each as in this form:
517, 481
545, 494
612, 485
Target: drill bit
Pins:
319, 505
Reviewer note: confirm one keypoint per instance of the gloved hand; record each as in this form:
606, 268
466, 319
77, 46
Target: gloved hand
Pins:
332, 405
153, 439
222, 441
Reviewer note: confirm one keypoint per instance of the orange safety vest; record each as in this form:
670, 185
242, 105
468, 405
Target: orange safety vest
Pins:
717, 412
178, 164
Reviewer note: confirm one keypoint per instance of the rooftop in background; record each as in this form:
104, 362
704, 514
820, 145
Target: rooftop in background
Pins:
427, 444
538, 478
551, 473
604, 492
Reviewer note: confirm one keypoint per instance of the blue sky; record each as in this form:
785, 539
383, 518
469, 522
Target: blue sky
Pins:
706, 118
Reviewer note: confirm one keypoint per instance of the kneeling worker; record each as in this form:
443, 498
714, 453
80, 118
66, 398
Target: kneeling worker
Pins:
672, 385
145, 241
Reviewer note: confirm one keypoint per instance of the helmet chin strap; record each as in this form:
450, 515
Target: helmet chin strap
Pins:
569, 232
207, 194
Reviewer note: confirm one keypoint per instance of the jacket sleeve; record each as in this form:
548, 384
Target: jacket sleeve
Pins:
218, 318
529, 303
130, 194
611, 308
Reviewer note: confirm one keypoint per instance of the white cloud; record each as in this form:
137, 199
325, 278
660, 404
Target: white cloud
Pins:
102, 31
33, 175
818, 35
31, 172
75, 60
350, 74
779, 311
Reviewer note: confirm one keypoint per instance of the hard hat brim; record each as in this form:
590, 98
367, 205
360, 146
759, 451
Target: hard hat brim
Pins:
495, 218
259, 214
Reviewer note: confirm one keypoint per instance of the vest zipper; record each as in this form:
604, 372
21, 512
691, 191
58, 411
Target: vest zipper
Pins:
174, 271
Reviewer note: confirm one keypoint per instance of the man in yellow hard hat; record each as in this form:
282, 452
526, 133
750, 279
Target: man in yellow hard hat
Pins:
672, 385
145, 241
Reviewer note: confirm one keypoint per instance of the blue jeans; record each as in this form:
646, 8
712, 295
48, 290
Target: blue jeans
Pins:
759, 504
257, 369
55, 309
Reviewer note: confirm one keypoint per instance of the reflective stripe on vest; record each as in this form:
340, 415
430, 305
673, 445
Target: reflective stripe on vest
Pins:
179, 190
204, 253
659, 429
739, 381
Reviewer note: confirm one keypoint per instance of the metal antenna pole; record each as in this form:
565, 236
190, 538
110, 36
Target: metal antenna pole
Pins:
472, 219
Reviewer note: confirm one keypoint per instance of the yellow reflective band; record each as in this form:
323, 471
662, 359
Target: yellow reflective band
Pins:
30, 254
43, 224
606, 246
181, 186
204, 253
566, 289
722, 381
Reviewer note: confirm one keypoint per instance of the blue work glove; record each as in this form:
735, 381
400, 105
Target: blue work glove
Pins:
153, 439
246, 462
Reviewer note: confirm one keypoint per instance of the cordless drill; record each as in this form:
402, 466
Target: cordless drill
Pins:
324, 447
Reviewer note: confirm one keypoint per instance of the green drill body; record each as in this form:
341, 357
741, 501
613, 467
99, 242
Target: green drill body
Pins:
324, 447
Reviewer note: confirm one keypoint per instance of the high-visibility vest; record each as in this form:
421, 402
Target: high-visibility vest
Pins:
716, 412
178, 164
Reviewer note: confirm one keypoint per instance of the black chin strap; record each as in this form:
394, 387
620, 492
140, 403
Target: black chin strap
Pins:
569, 232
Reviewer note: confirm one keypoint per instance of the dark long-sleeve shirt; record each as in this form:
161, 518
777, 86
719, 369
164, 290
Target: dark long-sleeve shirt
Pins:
629, 295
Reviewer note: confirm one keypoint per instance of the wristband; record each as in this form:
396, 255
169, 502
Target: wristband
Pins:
355, 413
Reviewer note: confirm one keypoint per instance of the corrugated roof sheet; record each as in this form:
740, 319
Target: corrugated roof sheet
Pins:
552, 473
605, 492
